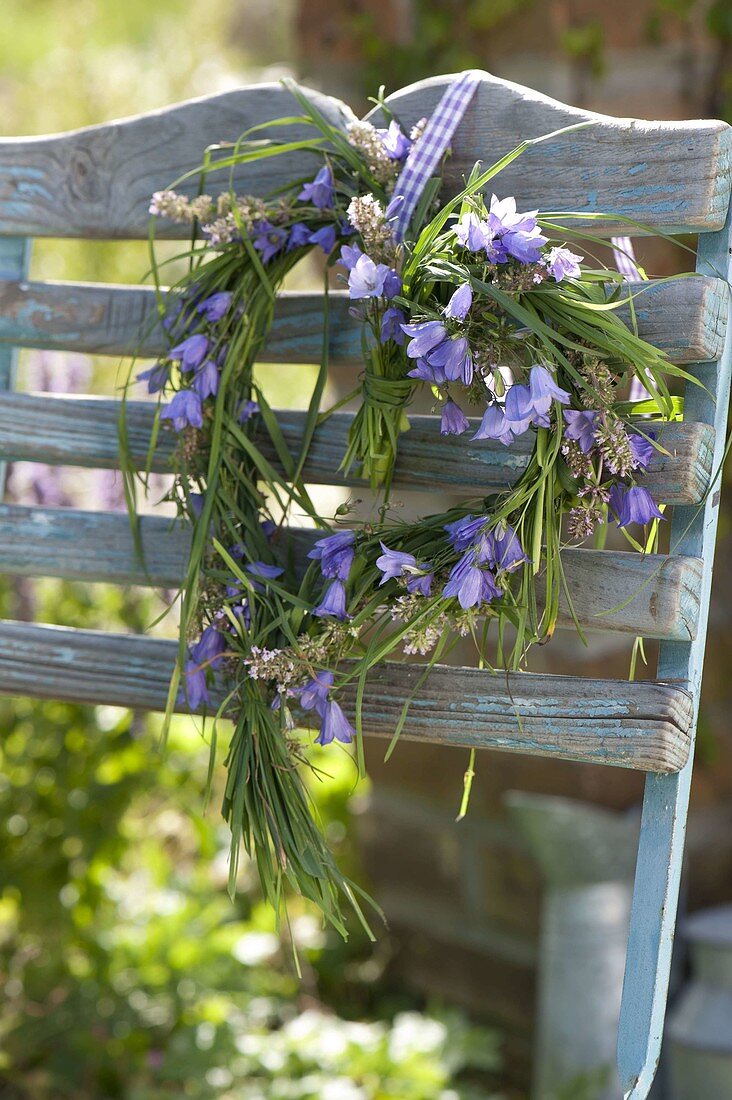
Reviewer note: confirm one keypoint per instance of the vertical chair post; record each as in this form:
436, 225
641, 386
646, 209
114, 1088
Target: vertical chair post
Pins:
666, 799
14, 257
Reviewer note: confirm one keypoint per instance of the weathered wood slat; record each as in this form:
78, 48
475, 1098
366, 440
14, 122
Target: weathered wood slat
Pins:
83, 431
662, 591
97, 182
642, 725
663, 174
684, 318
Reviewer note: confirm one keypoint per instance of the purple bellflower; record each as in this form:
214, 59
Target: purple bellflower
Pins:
214, 307
462, 533
471, 584
495, 426
335, 726
333, 603
454, 358
642, 448
426, 372
335, 554
394, 563
544, 390
459, 305
206, 380
391, 325
184, 410
320, 192
156, 377
420, 583
300, 235
395, 142
209, 647
472, 233
563, 264
314, 695
247, 410
504, 550
269, 239
325, 237
191, 352
637, 506
424, 337
453, 420
581, 428
367, 279
196, 689
350, 255
518, 409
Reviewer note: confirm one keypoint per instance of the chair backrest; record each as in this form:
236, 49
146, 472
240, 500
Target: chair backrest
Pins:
97, 182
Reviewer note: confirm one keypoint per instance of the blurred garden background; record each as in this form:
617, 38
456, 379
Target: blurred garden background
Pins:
127, 972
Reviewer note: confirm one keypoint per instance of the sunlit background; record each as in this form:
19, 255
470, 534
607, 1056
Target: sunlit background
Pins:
127, 971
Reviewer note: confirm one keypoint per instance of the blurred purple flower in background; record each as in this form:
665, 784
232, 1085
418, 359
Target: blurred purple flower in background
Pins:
190, 352
184, 410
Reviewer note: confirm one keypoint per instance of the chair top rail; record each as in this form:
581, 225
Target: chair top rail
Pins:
654, 595
83, 431
684, 318
643, 725
97, 182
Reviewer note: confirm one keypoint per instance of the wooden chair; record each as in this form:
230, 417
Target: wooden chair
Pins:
96, 183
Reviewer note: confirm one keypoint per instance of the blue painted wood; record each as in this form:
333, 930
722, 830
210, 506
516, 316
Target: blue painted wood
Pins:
666, 798
14, 257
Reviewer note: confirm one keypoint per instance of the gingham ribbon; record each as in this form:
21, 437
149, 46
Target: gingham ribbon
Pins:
427, 153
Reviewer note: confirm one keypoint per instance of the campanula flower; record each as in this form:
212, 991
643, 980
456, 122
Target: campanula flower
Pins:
206, 379
504, 550
462, 533
350, 255
335, 554
335, 727
333, 603
453, 421
395, 142
314, 695
367, 279
460, 303
424, 336
524, 247
209, 647
195, 692
638, 506
191, 352
466, 581
184, 410
426, 372
261, 571
454, 358
394, 563
300, 235
581, 428
269, 239
325, 237
391, 325
320, 191
392, 283
642, 448
518, 234
544, 390
214, 307
247, 409
518, 409
495, 426
562, 264
156, 377
420, 583
473, 233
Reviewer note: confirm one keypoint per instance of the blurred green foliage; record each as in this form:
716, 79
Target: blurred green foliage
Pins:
126, 970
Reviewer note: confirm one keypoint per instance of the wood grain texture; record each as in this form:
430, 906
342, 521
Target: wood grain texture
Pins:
83, 431
97, 182
685, 319
661, 591
666, 175
642, 725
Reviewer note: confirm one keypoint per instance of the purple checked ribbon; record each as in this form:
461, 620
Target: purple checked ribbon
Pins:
429, 150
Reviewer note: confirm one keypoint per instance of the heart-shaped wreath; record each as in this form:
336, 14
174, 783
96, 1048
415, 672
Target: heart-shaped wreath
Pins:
472, 300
